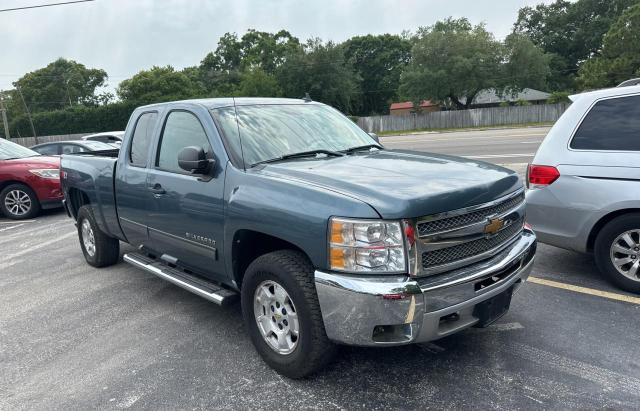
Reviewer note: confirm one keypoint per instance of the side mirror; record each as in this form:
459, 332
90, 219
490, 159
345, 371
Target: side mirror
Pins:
375, 137
194, 160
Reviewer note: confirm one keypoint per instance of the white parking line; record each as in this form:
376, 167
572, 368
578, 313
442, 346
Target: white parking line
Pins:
7, 257
427, 139
604, 377
17, 222
11, 227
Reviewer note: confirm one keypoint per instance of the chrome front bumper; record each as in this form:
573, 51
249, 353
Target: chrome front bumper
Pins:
395, 310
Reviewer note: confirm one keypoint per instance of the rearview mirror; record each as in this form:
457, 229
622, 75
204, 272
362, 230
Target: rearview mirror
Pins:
375, 137
194, 160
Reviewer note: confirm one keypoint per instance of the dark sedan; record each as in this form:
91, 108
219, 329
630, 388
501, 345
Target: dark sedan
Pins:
70, 147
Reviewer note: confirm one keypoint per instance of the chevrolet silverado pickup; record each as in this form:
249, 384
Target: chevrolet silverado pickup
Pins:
325, 236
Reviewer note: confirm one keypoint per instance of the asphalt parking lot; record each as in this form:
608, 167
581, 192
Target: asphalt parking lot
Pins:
75, 337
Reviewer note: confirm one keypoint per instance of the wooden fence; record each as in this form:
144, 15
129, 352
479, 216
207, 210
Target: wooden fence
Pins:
31, 141
478, 117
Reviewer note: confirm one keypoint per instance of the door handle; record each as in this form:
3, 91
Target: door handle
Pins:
157, 189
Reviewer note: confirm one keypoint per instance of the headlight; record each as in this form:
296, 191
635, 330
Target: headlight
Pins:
52, 173
366, 246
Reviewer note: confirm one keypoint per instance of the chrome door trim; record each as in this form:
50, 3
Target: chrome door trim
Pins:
186, 240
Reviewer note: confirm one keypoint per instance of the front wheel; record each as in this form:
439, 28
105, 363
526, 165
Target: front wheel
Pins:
19, 202
282, 314
99, 249
617, 251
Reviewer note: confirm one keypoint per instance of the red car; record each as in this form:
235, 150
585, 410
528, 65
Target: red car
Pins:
29, 182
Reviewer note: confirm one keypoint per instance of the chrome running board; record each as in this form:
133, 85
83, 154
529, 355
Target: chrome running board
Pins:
197, 285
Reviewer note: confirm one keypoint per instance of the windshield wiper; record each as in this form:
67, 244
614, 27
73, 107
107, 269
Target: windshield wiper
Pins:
301, 154
358, 148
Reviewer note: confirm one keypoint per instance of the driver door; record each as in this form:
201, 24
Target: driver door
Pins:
186, 214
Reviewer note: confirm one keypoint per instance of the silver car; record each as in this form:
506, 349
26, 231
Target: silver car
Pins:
584, 183
111, 137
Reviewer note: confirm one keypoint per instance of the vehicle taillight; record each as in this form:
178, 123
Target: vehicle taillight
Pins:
539, 176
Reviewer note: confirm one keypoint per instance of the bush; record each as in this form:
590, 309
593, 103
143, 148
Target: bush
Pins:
79, 119
559, 97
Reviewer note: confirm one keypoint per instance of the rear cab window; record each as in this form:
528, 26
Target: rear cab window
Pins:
610, 125
141, 139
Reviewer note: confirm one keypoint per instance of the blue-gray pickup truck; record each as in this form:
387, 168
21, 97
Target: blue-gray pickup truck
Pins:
325, 236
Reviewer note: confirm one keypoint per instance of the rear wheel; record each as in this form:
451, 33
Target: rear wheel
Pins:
282, 314
99, 249
617, 251
19, 202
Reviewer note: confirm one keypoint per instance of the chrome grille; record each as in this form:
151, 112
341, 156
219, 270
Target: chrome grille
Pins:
445, 224
459, 252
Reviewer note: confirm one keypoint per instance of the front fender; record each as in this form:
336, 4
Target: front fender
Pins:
290, 210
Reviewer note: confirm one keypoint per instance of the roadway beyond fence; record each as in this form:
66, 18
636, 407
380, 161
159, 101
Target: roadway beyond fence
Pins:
478, 117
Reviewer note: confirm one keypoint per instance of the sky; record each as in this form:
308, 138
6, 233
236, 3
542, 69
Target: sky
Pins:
126, 36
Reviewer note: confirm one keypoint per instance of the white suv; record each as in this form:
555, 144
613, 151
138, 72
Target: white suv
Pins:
584, 183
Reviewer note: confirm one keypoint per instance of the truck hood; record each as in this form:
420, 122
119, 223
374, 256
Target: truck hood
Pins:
403, 184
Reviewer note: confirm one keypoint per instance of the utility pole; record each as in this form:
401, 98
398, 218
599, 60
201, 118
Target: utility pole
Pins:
33, 129
68, 94
3, 110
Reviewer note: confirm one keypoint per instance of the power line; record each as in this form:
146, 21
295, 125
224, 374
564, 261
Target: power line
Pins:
45, 5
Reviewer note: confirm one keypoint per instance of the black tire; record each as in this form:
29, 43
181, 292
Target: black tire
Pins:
10, 190
293, 271
107, 249
602, 250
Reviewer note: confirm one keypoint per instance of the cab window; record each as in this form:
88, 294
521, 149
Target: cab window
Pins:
72, 148
48, 150
182, 129
142, 138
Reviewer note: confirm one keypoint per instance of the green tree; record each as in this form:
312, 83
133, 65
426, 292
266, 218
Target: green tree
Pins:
452, 61
321, 70
222, 70
60, 84
571, 32
257, 83
620, 58
159, 84
379, 61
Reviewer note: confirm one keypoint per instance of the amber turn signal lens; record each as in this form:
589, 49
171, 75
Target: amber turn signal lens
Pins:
336, 232
337, 258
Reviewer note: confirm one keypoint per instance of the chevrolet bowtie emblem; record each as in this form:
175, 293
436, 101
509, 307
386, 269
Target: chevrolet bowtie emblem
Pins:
494, 225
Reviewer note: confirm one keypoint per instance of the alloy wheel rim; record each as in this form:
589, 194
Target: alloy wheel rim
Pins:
625, 254
17, 202
88, 239
276, 317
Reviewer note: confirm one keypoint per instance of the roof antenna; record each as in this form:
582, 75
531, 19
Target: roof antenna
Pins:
307, 98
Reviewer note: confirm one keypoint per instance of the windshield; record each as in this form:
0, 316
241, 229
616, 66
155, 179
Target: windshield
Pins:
271, 131
9, 150
97, 145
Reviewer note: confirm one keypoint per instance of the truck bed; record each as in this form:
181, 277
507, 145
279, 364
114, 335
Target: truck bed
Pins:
89, 177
